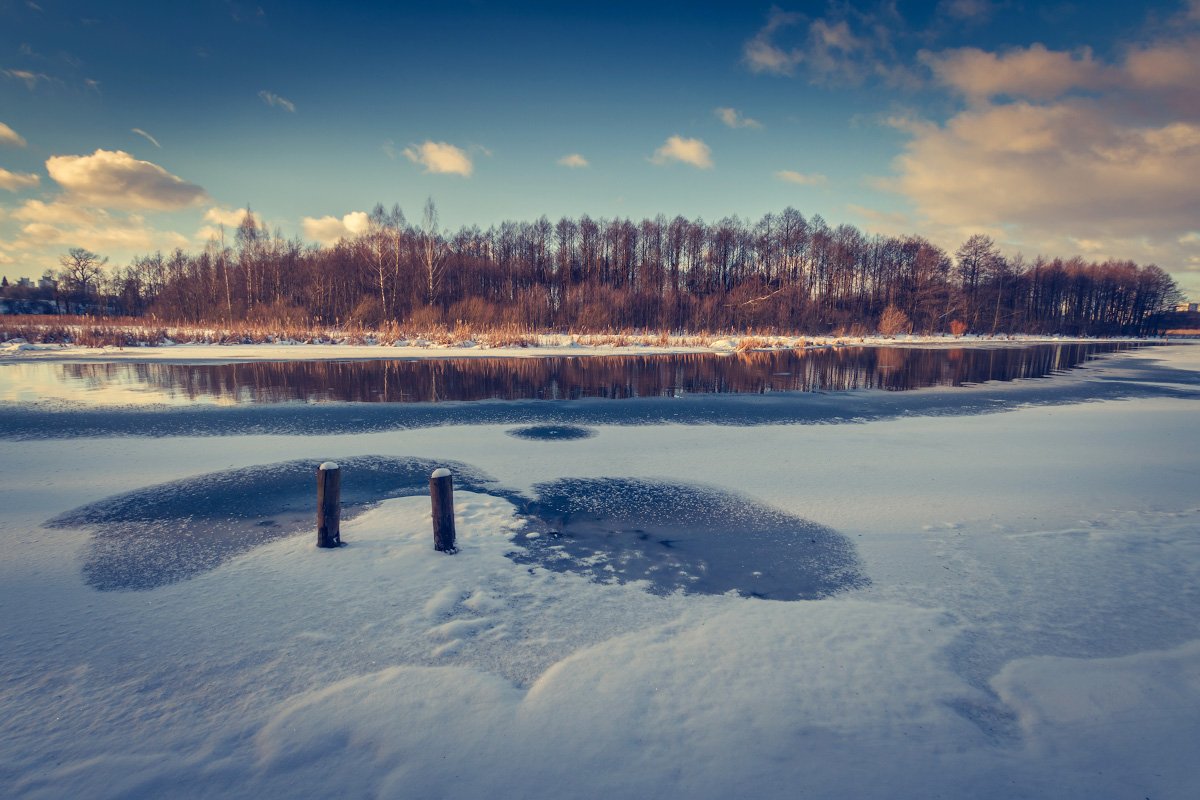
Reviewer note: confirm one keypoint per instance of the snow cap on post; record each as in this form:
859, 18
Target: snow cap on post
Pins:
327, 465
441, 472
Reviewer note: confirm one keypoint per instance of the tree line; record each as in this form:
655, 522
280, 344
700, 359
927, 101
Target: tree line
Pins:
783, 273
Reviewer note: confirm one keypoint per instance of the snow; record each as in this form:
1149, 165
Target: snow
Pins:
1032, 627
17, 351
1118, 718
441, 472
328, 465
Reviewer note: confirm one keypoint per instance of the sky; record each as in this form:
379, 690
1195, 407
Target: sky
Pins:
1060, 129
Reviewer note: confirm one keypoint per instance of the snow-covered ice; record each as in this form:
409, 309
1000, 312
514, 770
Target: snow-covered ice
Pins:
1031, 626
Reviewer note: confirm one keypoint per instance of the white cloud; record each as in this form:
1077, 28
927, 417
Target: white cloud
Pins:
761, 54
146, 136
1035, 72
1065, 152
325, 230
847, 46
734, 119
10, 137
275, 101
687, 151
115, 179
230, 218
86, 215
1113, 162
440, 158
55, 213
1164, 72
30, 79
49, 227
573, 160
801, 178
16, 181
328, 230
357, 222
127, 235
1066, 168
1167, 72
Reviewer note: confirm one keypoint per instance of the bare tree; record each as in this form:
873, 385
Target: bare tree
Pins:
433, 251
893, 321
82, 270
785, 273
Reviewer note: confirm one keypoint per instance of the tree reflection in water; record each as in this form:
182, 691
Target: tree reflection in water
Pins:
570, 378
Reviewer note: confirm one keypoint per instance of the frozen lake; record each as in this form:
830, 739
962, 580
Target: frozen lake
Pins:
993, 580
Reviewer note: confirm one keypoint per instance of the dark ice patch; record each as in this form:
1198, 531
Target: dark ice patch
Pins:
551, 433
683, 537
173, 531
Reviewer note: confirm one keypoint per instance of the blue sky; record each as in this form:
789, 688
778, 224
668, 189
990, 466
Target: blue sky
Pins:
1057, 128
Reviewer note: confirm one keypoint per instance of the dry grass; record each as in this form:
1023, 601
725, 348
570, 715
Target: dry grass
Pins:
149, 332
752, 343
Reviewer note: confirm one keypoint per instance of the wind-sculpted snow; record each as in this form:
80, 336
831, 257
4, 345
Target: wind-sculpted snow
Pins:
687, 538
1031, 628
169, 532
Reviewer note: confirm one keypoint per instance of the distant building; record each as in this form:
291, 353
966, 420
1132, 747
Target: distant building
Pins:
1188, 308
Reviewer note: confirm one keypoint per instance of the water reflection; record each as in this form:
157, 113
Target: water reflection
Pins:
552, 378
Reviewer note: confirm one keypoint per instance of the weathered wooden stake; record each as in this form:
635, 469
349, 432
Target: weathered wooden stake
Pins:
441, 494
329, 505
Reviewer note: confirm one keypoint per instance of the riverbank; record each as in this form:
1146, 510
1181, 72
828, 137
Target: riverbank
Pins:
355, 347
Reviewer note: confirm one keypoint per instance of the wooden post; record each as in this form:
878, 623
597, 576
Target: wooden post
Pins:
329, 505
441, 494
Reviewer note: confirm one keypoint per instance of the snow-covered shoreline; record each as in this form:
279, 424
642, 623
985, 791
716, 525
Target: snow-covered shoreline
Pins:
547, 346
